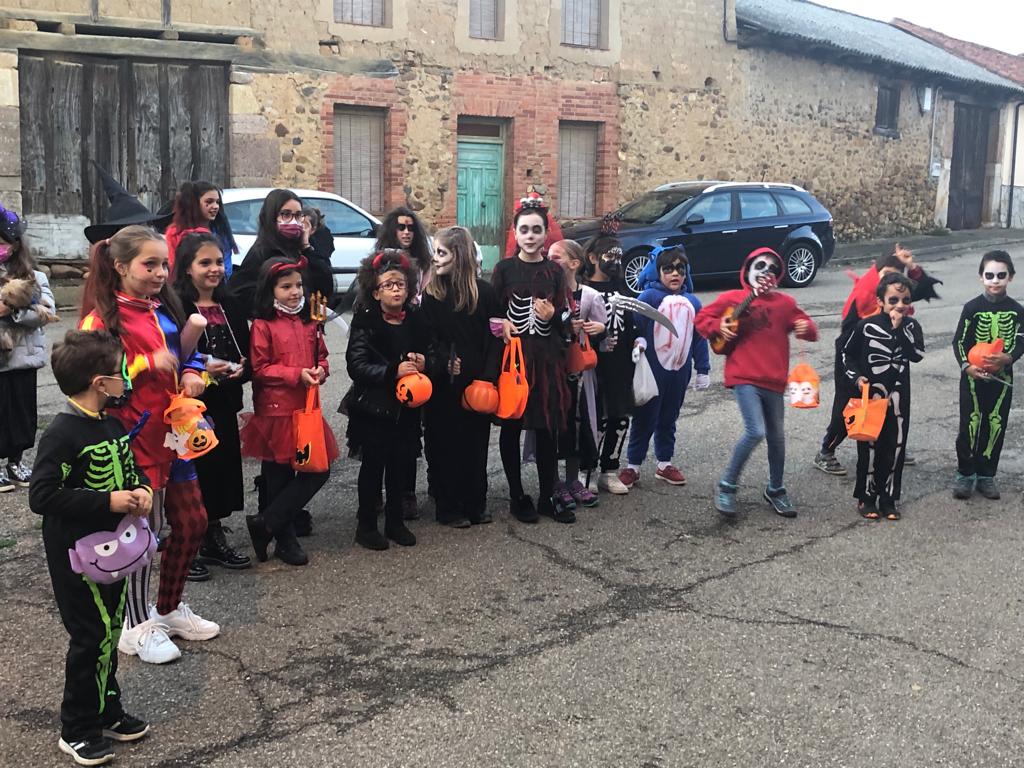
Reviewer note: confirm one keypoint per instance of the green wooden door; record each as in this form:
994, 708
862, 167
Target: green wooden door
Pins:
479, 206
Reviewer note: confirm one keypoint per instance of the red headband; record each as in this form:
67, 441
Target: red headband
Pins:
288, 266
389, 255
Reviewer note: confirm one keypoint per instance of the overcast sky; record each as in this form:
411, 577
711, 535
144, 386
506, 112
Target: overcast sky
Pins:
995, 23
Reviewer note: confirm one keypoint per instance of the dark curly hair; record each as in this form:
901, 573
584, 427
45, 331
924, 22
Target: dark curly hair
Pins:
387, 237
375, 265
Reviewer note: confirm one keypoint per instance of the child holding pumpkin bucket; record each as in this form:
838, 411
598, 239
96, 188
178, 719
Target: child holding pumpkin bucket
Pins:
457, 306
577, 445
878, 354
388, 341
988, 341
531, 294
288, 357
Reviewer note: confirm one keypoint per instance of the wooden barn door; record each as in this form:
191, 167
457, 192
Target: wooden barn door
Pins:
152, 124
967, 168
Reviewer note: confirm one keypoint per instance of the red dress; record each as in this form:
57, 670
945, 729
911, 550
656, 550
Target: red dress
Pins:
279, 350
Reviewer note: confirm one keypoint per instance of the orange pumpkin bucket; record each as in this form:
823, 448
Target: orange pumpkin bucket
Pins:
864, 416
977, 354
513, 389
191, 434
413, 390
480, 397
803, 387
582, 356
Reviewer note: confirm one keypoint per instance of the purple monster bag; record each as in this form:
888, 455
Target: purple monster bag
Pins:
109, 556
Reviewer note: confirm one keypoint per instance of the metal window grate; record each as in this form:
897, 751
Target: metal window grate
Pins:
359, 157
483, 19
367, 12
577, 169
581, 23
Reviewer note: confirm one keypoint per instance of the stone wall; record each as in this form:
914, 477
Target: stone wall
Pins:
10, 131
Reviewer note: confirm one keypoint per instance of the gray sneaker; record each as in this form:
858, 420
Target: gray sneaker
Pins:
6, 484
963, 486
19, 474
725, 499
780, 502
828, 464
987, 487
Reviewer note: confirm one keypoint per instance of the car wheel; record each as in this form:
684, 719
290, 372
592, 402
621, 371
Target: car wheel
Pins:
800, 265
635, 263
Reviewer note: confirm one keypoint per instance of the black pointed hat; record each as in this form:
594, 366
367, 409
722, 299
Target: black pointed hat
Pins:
125, 209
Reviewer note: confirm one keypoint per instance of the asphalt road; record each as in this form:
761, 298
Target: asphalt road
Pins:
651, 633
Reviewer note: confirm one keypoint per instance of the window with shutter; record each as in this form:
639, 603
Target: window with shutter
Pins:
887, 111
577, 169
370, 13
582, 23
359, 157
485, 19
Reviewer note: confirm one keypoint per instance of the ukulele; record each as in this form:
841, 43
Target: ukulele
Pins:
721, 345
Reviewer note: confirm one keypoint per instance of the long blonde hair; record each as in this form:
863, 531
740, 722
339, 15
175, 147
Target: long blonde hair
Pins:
462, 278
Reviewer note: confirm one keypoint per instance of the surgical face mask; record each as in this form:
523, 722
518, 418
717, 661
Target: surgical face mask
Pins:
763, 267
120, 401
291, 230
5, 252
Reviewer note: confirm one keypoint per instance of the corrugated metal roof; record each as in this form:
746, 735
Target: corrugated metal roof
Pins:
860, 36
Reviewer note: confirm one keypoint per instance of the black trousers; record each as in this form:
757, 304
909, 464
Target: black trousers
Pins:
92, 614
512, 460
385, 463
613, 438
984, 412
286, 492
880, 463
457, 441
843, 391
220, 471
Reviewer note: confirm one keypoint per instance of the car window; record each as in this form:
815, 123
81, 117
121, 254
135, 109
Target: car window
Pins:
341, 219
714, 208
654, 205
244, 216
757, 205
793, 205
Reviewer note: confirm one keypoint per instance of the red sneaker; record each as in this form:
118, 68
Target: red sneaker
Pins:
670, 475
629, 477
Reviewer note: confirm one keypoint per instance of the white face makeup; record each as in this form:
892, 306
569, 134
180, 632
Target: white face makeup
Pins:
763, 266
995, 276
530, 233
444, 259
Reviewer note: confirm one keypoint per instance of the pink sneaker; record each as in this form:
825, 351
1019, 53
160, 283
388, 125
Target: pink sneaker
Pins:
583, 495
629, 477
670, 475
564, 496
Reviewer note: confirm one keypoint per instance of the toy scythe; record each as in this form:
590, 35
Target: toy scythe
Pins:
634, 305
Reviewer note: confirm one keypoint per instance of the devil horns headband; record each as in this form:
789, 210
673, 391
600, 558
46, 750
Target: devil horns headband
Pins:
388, 257
288, 266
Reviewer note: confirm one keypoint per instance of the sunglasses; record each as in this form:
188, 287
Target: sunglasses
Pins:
679, 269
391, 285
767, 266
405, 227
892, 301
996, 275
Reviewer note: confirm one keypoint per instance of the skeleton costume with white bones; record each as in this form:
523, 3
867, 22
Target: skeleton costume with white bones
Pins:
882, 354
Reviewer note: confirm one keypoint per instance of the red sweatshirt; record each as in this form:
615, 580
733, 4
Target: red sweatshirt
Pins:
760, 354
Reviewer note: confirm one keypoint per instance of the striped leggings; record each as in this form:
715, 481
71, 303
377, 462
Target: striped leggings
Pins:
180, 504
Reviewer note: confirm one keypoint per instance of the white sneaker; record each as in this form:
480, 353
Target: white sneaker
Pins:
150, 642
610, 483
184, 623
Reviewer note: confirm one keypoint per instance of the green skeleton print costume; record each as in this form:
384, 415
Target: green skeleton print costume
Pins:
985, 405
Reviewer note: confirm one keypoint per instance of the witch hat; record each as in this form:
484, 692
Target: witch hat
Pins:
125, 209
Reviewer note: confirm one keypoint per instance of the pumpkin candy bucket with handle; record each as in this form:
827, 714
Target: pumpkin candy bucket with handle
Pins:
513, 390
480, 397
582, 356
977, 354
413, 390
804, 386
864, 416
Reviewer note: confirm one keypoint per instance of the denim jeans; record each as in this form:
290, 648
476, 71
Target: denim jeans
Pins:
763, 413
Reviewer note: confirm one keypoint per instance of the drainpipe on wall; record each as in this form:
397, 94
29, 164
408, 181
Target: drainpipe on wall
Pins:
1013, 164
931, 136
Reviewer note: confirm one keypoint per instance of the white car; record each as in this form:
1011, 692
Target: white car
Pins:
354, 230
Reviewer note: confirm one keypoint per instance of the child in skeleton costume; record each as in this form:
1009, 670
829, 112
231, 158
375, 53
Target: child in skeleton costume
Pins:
879, 352
94, 501
986, 392
577, 445
672, 358
756, 368
531, 293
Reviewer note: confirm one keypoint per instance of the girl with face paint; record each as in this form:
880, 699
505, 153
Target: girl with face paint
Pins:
457, 307
985, 392
23, 327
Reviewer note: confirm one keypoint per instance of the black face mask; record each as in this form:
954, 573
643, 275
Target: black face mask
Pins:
611, 267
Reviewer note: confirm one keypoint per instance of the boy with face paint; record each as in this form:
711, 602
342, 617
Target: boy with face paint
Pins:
986, 392
878, 353
756, 368
85, 481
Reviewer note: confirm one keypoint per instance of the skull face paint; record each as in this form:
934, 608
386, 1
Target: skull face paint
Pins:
109, 556
762, 267
611, 262
995, 276
444, 259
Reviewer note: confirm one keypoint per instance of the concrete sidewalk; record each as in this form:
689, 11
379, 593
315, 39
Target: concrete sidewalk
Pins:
932, 246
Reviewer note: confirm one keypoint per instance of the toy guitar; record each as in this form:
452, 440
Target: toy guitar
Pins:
721, 345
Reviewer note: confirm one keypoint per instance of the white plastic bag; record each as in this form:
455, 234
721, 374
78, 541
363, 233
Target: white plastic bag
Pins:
645, 388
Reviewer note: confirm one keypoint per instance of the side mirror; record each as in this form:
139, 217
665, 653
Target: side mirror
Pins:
694, 218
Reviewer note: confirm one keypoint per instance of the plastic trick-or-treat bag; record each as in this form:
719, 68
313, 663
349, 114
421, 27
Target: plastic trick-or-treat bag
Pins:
804, 386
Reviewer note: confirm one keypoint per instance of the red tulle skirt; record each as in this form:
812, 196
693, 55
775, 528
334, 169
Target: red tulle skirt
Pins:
272, 438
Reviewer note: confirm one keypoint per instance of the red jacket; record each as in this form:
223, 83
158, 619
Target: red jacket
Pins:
760, 354
279, 350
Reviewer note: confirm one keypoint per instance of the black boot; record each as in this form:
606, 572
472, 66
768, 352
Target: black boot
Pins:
198, 572
367, 534
260, 536
288, 548
394, 526
303, 523
216, 550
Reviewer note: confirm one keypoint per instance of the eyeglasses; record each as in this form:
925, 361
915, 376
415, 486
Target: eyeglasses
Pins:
405, 227
526, 229
123, 376
892, 301
287, 216
679, 269
996, 275
391, 285
767, 266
